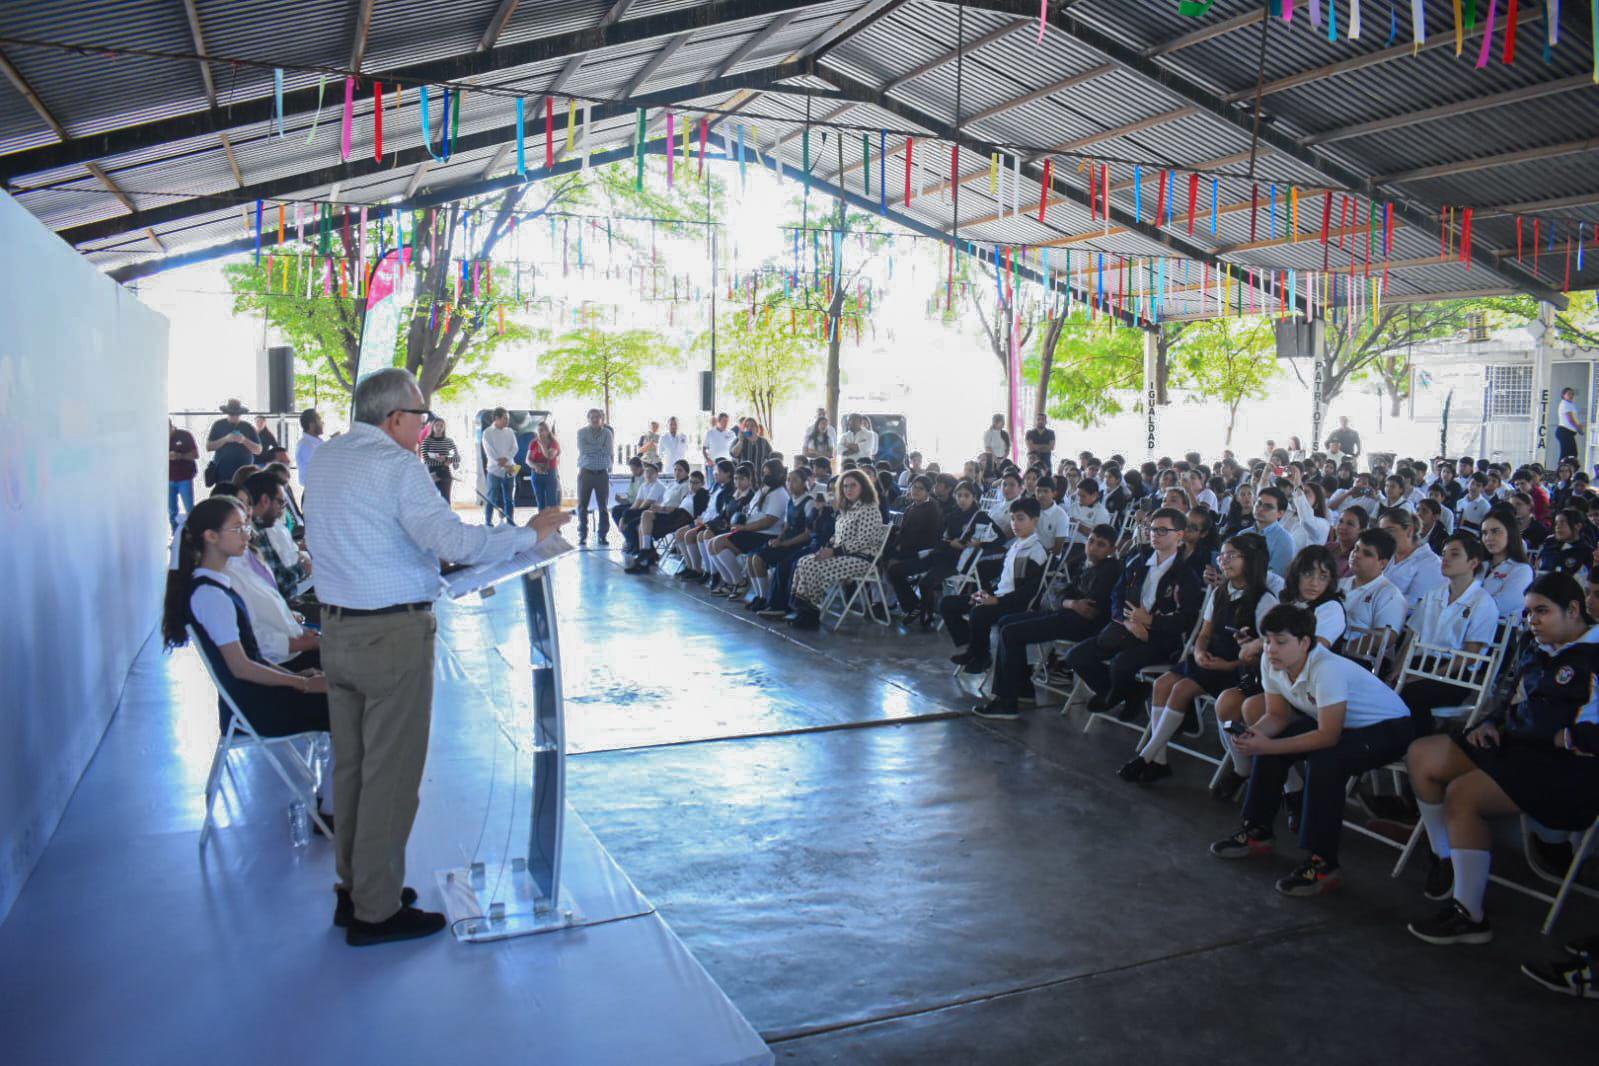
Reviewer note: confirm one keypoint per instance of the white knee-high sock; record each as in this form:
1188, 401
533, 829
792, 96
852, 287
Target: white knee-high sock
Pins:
1296, 780
719, 562
1242, 763
690, 558
1163, 726
1471, 879
759, 586
646, 541
1432, 816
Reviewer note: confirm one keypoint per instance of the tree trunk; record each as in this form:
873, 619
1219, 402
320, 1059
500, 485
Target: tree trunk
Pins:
1163, 343
1232, 420
1395, 401
835, 343
1046, 363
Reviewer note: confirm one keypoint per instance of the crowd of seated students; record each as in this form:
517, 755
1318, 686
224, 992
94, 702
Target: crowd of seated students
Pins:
1245, 583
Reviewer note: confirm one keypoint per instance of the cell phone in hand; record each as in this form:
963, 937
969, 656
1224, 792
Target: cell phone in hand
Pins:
1236, 729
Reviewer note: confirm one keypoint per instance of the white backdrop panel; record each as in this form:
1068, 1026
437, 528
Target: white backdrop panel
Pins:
83, 368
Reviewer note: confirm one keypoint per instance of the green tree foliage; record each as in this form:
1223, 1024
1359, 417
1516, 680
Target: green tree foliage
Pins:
1226, 361
762, 357
1095, 368
602, 364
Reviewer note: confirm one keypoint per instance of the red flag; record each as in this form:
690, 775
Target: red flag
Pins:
1043, 191
377, 121
910, 144
549, 132
1510, 33
1193, 200
1518, 238
1465, 238
1254, 210
1160, 201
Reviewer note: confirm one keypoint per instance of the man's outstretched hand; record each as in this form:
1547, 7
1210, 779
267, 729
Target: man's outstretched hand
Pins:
547, 522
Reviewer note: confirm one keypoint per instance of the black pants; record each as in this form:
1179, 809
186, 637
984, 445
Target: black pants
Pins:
275, 711
1426, 695
970, 625
1327, 772
1109, 663
595, 485
629, 523
903, 575
1017, 631
1568, 442
443, 481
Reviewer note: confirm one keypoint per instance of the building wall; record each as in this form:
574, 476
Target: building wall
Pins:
82, 521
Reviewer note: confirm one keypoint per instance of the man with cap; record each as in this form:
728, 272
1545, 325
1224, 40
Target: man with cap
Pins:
234, 441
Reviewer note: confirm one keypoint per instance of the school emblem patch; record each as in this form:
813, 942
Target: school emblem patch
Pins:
1564, 675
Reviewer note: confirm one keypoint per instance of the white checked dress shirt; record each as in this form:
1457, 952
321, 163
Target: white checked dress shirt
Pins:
377, 527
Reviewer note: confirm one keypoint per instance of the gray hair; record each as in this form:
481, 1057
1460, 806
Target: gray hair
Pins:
384, 391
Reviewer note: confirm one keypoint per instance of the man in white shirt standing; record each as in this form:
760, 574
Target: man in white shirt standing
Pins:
1570, 429
378, 528
499, 451
310, 441
674, 445
858, 442
718, 442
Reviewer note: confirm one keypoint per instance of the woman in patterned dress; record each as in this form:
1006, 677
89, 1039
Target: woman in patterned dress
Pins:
852, 553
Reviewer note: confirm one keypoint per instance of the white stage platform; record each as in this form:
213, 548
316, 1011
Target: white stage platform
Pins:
125, 948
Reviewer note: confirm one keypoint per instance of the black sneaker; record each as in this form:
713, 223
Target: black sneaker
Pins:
806, 620
1452, 925
1440, 878
976, 666
1155, 771
997, 710
1312, 877
1293, 804
1226, 787
1589, 946
407, 923
961, 658
686, 574
1247, 843
758, 604
1577, 977
1101, 702
344, 906
1132, 769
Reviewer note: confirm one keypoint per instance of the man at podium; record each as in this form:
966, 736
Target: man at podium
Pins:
377, 528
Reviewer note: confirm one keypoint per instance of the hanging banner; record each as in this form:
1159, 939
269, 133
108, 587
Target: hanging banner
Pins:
388, 295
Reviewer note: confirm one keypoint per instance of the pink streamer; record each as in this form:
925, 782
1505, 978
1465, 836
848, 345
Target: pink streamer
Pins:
349, 118
1288, 10
1488, 34
327, 279
671, 156
1043, 18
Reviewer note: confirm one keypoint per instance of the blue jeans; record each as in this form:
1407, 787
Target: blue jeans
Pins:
547, 489
179, 490
502, 499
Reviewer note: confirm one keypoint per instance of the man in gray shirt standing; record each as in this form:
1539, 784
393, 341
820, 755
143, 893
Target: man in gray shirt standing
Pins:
596, 445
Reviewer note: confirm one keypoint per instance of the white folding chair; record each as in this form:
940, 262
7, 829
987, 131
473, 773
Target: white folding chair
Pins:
1368, 647
1148, 674
671, 554
1586, 846
240, 734
867, 596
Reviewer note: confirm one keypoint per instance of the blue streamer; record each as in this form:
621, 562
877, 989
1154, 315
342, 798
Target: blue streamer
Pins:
1100, 299
1138, 194
882, 171
1332, 21
521, 140
445, 132
1274, 212
258, 235
1393, 24
427, 132
277, 96
741, 172
1579, 246
1215, 203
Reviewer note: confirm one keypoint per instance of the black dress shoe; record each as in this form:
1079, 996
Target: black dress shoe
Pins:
806, 620
1101, 702
344, 906
407, 923
1132, 769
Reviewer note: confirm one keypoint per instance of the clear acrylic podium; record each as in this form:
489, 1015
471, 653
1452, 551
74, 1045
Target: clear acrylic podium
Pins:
532, 898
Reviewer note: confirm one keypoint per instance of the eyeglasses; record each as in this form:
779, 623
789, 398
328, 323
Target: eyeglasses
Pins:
1160, 531
427, 416
230, 529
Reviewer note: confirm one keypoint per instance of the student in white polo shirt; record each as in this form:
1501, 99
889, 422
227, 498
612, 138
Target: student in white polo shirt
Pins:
1371, 601
1329, 714
1086, 511
1053, 521
1456, 614
1508, 574
1475, 505
1414, 568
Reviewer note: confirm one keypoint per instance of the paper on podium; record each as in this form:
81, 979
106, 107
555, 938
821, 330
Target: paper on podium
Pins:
463, 582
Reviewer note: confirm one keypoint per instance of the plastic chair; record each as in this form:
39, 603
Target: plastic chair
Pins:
240, 734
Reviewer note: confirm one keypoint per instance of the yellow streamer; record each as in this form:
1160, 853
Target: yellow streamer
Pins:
1293, 197
1460, 33
571, 113
993, 174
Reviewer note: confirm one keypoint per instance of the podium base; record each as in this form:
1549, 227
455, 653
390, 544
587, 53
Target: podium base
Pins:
478, 913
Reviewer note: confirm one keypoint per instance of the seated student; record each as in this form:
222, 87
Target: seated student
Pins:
1117, 497
1200, 541
1086, 510
650, 493
794, 538
969, 617
1533, 757
1533, 532
1430, 529
887, 492
1456, 614
672, 512
624, 500
929, 571
1566, 551
849, 556
1240, 516
1360, 495
1396, 495
1231, 616
718, 500
1327, 713
1346, 531
1307, 521
1446, 514
994, 527
280, 632
923, 521
1526, 480
1053, 519
200, 594
753, 528
913, 470
263, 494
1371, 602
1414, 569
1508, 575
1312, 583
1074, 607
820, 524
1271, 504
1155, 604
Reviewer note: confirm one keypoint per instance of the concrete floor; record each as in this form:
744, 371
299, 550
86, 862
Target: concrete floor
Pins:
927, 886
868, 874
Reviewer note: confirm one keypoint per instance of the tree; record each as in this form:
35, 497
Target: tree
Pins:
1095, 366
761, 357
1381, 347
602, 364
1227, 360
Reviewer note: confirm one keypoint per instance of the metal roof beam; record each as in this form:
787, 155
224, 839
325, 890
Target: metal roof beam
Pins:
415, 181
1560, 203
404, 157
754, 41
361, 23
1038, 94
14, 76
112, 187
496, 26
198, 36
849, 26
955, 53
655, 62
616, 12
497, 160
1450, 110
261, 110
233, 161
1207, 33
1488, 162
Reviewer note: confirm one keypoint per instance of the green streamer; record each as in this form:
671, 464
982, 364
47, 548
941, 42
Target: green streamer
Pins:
638, 154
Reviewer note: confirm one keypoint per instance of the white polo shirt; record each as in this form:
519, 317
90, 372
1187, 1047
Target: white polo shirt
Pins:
1097, 515
1327, 679
674, 446
1331, 620
774, 503
1508, 583
1054, 526
1471, 619
719, 442
1157, 570
1375, 605
650, 492
1417, 575
675, 492
1472, 512
214, 610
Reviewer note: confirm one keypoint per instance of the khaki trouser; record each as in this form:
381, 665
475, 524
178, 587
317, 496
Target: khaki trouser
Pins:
380, 702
